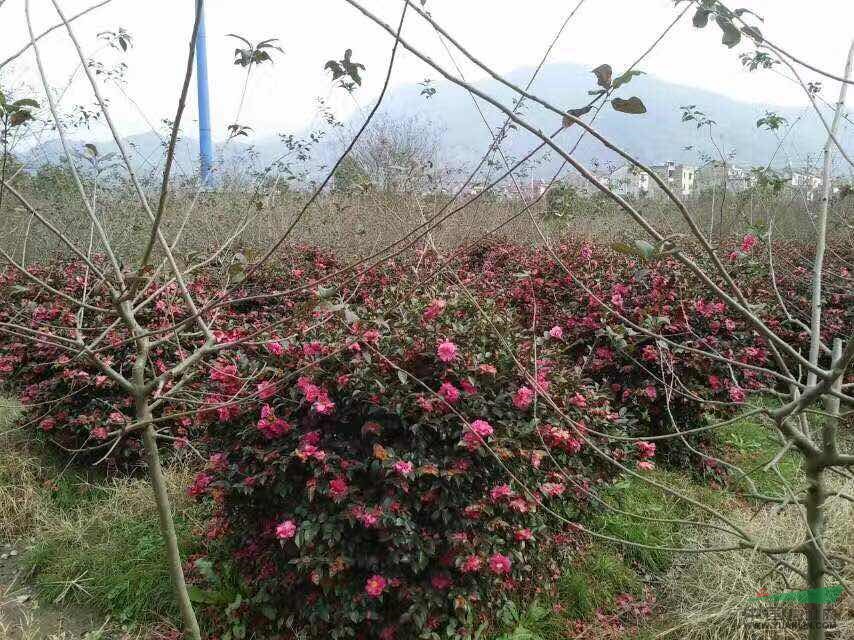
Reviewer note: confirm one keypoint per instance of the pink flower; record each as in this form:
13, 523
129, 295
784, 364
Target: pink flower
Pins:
322, 404
556, 332
646, 465
477, 433
338, 488
714, 383
266, 389
499, 564
487, 369
434, 310
650, 392
449, 392
552, 489
371, 336
523, 398
117, 417
447, 351
586, 251
523, 535
748, 242
100, 433
375, 586
471, 564
645, 449
275, 348
441, 581
578, 400
403, 467
286, 530
736, 394
500, 491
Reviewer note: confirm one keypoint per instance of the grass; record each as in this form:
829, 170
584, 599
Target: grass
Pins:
90, 539
110, 554
751, 446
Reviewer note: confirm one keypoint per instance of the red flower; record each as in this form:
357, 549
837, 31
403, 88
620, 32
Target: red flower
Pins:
338, 488
499, 564
523, 398
375, 586
286, 530
500, 491
449, 392
645, 449
471, 564
523, 535
446, 351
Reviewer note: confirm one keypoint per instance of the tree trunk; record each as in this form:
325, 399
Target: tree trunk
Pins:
815, 553
167, 528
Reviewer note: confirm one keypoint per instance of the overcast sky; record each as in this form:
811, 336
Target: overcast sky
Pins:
506, 34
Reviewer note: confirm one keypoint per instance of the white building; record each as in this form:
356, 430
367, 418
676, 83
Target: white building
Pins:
629, 181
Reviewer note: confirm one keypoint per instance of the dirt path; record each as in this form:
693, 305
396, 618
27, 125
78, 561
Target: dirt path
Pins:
24, 617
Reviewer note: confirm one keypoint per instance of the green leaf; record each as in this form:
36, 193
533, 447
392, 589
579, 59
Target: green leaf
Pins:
701, 18
621, 247
401, 375
625, 78
644, 249
731, 34
603, 74
25, 102
633, 105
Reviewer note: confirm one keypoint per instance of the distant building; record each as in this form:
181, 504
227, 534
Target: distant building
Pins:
629, 181
679, 177
804, 180
715, 175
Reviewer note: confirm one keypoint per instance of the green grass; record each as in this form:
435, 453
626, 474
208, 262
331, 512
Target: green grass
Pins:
91, 539
111, 561
750, 445
594, 581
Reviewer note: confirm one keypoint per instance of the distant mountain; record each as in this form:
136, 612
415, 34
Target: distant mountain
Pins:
653, 137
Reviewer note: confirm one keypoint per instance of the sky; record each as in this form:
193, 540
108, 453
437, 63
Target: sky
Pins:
282, 97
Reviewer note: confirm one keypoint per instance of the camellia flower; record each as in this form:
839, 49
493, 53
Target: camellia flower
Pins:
499, 564
645, 449
471, 564
650, 392
523, 535
275, 348
578, 400
748, 242
447, 351
646, 465
523, 398
500, 491
434, 309
338, 488
477, 433
375, 586
286, 530
488, 369
441, 581
403, 467
266, 389
736, 394
449, 392
552, 489
47, 424
556, 332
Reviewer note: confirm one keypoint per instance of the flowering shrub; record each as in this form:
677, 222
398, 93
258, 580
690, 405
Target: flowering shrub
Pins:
392, 507
386, 460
